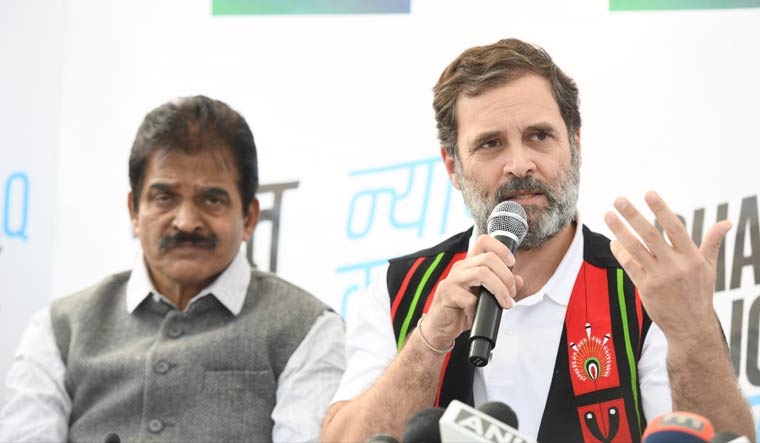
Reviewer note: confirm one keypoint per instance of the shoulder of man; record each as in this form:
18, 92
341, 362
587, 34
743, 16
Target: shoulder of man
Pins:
456, 243
65, 311
269, 284
108, 285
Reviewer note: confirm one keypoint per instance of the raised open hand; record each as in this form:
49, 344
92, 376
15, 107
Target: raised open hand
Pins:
675, 280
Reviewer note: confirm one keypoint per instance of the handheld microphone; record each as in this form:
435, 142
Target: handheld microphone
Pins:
423, 427
462, 423
507, 223
678, 427
501, 412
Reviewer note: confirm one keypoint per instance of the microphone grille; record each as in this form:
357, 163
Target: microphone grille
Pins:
423, 427
501, 412
509, 216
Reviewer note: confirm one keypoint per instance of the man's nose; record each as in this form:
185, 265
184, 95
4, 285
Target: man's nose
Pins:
519, 161
187, 218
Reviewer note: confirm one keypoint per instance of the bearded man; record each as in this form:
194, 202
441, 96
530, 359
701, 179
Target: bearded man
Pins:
593, 332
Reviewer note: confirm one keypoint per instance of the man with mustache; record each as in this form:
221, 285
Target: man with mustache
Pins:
192, 344
596, 338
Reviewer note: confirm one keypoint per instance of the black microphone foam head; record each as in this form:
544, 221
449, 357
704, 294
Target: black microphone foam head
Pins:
509, 216
501, 412
423, 427
112, 438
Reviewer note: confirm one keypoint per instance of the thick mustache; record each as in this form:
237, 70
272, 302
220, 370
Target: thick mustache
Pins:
168, 241
523, 184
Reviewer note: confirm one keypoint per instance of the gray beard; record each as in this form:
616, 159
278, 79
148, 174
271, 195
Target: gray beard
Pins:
543, 224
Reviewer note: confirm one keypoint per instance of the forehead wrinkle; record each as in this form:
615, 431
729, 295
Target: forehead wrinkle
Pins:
197, 172
215, 150
167, 162
527, 98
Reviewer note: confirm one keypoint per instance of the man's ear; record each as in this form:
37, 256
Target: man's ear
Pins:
251, 219
133, 214
450, 162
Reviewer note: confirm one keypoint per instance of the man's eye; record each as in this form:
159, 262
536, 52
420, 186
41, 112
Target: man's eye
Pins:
493, 143
163, 198
541, 136
215, 200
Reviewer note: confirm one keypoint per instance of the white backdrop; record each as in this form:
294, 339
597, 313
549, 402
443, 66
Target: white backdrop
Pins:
341, 104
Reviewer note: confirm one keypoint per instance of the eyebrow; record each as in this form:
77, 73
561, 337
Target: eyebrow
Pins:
162, 187
215, 192
483, 137
541, 127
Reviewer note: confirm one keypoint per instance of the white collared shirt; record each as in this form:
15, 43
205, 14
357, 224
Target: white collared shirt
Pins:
38, 406
520, 371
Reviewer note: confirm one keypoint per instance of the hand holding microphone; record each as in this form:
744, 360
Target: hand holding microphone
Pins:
487, 271
507, 223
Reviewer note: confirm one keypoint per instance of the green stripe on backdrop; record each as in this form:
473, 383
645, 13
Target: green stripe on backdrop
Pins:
309, 7
417, 293
660, 5
628, 347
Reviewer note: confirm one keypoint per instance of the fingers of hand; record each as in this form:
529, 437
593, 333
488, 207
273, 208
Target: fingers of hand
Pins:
646, 230
631, 266
490, 273
519, 281
628, 241
670, 223
486, 243
711, 243
453, 295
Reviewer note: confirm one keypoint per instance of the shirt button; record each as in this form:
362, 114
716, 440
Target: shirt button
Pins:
175, 332
162, 367
155, 426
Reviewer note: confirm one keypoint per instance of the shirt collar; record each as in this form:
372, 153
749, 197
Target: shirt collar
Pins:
229, 288
560, 284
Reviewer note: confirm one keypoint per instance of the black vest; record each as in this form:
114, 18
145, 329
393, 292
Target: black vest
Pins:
594, 394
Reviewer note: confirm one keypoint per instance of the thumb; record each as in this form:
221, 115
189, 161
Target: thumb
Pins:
711, 243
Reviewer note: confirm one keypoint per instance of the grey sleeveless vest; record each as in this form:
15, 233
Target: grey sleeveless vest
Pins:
159, 374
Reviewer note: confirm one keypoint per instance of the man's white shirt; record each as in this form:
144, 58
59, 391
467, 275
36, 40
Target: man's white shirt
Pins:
520, 371
38, 405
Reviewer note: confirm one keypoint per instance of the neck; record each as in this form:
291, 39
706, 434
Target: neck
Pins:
180, 294
536, 266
